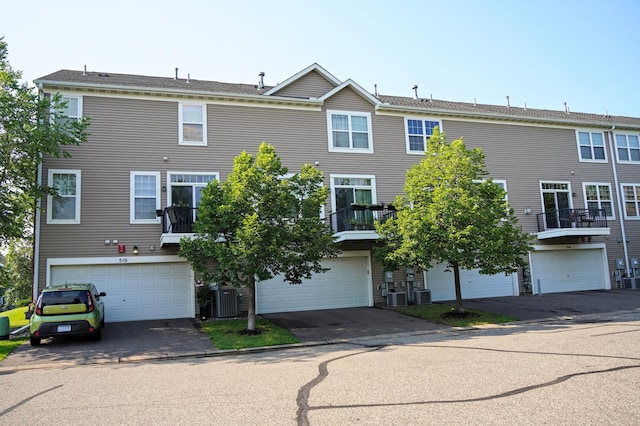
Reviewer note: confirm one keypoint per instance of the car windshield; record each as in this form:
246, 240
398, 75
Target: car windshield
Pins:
64, 297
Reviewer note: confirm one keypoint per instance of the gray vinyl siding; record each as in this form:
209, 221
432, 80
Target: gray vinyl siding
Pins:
312, 85
135, 134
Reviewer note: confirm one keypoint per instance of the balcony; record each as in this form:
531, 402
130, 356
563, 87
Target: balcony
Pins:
357, 222
176, 223
572, 223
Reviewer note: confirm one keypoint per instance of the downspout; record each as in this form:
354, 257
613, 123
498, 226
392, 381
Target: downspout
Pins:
618, 199
36, 219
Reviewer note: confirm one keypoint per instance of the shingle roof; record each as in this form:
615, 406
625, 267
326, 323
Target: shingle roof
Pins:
435, 106
142, 81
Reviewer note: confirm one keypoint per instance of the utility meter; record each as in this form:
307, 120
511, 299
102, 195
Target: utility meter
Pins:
411, 277
388, 276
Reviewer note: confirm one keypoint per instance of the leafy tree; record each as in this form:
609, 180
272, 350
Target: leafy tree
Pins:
31, 126
450, 213
260, 223
16, 276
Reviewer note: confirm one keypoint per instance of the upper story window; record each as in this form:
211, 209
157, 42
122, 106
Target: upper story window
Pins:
193, 124
72, 110
628, 148
631, 193
591, 146
418, 131
598, 196
64, 207
145, 197
349, 131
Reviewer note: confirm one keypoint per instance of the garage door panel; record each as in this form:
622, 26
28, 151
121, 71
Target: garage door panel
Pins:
568, 270
473, 284
344, 285
136, 291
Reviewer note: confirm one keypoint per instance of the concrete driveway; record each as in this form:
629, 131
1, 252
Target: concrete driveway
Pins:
121, 341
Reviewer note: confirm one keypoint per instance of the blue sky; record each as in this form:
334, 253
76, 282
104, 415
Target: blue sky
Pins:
542, 53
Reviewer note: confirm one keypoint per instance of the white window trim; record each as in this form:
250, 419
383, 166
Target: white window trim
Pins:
170, 183
604, 147
543, 191
374, 197
406, 133
69, 95
615, 147
132, 198
586, 202
624, 207
181, 122
50, 219
368, 150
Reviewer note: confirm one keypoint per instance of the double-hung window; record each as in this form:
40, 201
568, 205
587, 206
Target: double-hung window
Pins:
193, 124
418, 131
349, 131
628, 148
591, 146
145, 197
598, 196
631, 193
64, 206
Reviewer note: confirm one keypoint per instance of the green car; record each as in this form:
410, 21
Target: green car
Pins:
67, 309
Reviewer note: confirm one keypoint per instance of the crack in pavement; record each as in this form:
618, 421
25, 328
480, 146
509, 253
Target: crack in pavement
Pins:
303, 393
24, 401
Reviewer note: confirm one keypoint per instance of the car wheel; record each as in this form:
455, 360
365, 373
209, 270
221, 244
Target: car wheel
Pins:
97, 336
35, 341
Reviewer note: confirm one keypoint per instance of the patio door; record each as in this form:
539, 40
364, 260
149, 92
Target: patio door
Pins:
556, 202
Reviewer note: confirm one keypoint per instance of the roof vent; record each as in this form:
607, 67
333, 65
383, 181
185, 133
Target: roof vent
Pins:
85, 70
566, 108
261, 82
375, 90
176, 77
415, 91
508, 104
188, 78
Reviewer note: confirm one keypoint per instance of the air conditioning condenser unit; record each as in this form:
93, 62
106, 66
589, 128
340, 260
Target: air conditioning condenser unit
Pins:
422, 297
395, 299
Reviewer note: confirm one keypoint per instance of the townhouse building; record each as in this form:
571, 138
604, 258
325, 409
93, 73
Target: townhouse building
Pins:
129, 194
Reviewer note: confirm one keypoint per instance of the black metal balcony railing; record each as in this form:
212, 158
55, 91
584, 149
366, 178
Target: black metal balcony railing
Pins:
177, 220
360, 217
572, 218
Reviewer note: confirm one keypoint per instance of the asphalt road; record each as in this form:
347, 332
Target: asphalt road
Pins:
579, 371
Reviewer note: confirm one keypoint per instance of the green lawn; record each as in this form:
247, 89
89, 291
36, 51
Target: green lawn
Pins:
16, 317
16, 320
225, 334
440, 313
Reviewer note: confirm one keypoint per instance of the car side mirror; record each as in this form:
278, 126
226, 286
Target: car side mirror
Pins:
102, 293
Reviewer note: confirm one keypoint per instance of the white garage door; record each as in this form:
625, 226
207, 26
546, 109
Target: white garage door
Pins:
135, 292
473, 284
569, 270
345, 285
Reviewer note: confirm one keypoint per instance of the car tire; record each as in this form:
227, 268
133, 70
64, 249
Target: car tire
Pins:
35, 341
97, 336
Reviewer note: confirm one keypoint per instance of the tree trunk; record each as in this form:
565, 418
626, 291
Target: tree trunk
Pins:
251, 314
456, 278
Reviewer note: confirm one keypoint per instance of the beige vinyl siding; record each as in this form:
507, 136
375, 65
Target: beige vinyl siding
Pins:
312, 85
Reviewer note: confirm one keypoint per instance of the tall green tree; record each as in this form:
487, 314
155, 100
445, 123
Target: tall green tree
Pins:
258, 224
16, 275
450, 213
31, 127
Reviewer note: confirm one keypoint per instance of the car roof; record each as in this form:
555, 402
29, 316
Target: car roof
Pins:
67, 286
